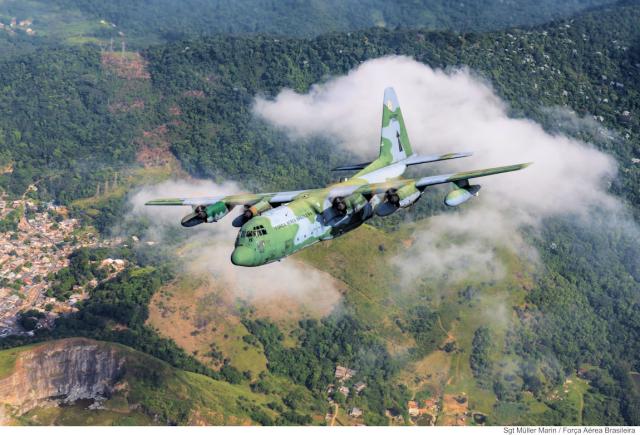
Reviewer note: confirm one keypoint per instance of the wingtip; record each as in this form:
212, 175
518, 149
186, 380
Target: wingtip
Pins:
164, 201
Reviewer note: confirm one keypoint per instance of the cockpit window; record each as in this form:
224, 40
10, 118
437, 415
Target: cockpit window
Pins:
256, 231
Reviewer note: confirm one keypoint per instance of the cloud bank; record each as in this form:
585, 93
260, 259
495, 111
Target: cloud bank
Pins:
455, 111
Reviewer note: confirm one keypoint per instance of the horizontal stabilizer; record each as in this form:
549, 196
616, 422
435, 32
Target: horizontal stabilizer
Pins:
411, 160
417, 159
353, 167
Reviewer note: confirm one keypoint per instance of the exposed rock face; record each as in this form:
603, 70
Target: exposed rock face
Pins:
64, 370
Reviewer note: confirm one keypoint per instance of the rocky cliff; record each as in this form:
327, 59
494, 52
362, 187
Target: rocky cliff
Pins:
60, 371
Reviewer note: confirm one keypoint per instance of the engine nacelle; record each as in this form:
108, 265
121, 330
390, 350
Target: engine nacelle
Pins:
250, 211
351, 204
463, 194
397, 198
206, 213
408, 195
356, 202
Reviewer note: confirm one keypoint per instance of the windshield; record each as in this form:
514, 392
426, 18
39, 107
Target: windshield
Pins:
256, 231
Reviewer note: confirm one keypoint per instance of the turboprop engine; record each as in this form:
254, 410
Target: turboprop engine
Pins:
397, 198
344, 209
460, 195
351, 204
205, 213
250, 211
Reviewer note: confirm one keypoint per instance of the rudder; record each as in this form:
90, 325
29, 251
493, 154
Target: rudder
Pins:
394, 140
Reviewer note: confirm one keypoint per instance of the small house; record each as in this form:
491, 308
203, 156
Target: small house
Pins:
355, 412
414, 411
359, 387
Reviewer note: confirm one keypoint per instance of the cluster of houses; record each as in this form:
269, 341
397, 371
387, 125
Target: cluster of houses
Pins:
39, 248
417, 409
343, 375
14, 24
429, 406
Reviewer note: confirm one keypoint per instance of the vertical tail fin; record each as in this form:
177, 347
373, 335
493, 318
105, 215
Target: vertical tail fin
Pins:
394, 141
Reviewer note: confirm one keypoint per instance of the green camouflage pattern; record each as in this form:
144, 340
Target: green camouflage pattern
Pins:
277, 224
394, 141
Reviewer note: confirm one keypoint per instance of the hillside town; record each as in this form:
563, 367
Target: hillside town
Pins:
35, 243
14, 25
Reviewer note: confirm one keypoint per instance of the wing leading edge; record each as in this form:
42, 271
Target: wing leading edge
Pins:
461, 176
274, 198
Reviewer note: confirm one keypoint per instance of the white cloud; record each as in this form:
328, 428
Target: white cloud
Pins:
455, 111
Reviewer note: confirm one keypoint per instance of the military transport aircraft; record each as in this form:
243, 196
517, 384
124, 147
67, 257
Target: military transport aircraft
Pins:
275, 225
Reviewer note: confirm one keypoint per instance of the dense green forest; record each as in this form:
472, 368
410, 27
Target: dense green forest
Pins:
79, 132
337, 340
166, 20
70, 120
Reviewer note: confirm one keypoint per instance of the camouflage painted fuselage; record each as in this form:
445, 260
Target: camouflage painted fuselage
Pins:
309, 219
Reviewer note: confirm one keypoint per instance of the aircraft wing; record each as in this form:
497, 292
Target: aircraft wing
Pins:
463, 176
231, 200
277, 198
458, 177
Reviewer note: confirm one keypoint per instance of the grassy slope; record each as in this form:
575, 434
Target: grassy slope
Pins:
8, 359
374, 296
361, 260
195, 313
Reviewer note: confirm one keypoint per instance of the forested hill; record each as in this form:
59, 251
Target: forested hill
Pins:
586, 291
307, 18
588, 64
92, 108
162, 20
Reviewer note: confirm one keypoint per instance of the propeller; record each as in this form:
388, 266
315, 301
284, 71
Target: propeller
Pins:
244, 217
392, 197
339, 205
198, 217
390, 204
201, 212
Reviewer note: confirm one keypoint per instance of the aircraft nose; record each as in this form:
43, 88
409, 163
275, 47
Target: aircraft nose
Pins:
243, 256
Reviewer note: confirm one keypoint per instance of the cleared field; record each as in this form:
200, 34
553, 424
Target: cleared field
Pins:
430, 372
197, 314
